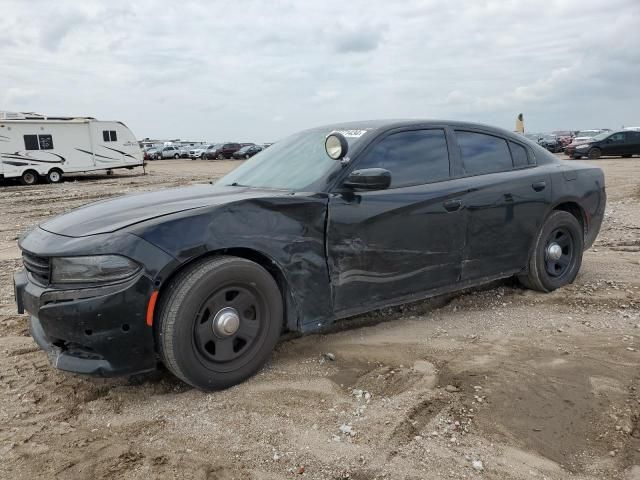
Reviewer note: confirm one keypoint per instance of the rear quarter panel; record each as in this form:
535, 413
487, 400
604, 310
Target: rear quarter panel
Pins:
583, 184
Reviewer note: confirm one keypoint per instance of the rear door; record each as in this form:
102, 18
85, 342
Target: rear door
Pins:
388, 244
635, 143
506, 201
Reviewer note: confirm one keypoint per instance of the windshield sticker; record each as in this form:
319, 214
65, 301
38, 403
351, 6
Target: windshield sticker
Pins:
352, 133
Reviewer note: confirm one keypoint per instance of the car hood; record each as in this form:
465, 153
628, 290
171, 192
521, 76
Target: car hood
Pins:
582, 139
110, 215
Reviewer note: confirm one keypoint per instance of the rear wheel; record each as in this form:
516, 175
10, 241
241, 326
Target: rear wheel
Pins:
176, 156
54, 176
557, 254
220, 157
29, 177
218, 321
594, 153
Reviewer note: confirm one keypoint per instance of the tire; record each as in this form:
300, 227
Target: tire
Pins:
176, 156
544, 273
29, 177
220, 156
188, 342
158, 157
246, 157
594, 154
54, 176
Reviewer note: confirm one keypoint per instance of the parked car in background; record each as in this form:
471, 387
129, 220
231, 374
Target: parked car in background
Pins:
169, 151
624, 143
152, 153
196, 152
565, 136
551, 143
184, 151
222, 150
637, 129
583, 136
247, 151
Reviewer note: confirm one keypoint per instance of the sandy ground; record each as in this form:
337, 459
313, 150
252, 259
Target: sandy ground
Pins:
531, 385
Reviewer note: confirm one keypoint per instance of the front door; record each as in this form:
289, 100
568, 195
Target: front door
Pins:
395, 243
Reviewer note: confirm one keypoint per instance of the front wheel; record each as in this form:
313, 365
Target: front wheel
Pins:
218, 321
557, 254
220, 157
594, 153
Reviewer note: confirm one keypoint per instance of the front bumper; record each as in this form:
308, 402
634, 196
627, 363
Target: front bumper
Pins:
97, 332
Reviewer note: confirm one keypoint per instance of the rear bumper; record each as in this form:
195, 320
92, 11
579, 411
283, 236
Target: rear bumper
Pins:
102, 334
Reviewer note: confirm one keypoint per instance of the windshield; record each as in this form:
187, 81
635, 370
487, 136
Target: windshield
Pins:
601, 136
296, 163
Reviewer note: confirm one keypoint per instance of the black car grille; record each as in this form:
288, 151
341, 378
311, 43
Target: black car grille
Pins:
38, 267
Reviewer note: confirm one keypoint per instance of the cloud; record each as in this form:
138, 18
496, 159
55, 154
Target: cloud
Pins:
222, 70
358, 39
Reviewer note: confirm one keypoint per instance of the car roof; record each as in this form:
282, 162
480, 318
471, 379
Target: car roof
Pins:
390, 124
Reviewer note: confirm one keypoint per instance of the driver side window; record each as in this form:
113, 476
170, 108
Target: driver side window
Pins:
413, 157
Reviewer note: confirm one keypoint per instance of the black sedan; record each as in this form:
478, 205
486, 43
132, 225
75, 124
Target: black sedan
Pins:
551, 143
329, 223
247, 151
625, 144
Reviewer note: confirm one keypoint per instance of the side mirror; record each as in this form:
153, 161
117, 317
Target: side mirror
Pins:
369, 179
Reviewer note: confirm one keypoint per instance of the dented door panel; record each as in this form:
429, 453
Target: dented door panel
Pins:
389, 243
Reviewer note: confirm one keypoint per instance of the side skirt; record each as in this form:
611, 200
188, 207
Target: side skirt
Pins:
414, 297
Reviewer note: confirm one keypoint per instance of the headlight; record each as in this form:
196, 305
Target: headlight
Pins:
94, 269
583, 146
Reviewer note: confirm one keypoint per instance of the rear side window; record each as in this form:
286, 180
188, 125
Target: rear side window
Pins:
413, 158
519, 154
38, 142
483, 153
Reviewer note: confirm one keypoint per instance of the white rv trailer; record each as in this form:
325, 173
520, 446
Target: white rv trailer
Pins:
34, 146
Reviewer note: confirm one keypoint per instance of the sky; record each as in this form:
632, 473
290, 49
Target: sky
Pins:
256, 71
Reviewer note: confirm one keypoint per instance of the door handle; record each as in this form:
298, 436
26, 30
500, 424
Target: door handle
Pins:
452, 205
539, 186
